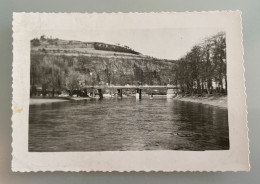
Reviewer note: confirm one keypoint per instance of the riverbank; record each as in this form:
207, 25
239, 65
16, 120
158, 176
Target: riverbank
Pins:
42, 100
219, 101
34, 101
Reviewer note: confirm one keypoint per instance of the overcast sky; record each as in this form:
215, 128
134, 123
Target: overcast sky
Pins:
164, 43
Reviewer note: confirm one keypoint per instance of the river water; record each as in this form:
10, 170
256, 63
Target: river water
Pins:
127, 124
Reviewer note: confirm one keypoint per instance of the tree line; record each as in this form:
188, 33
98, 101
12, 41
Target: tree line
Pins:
107, 47
204, 68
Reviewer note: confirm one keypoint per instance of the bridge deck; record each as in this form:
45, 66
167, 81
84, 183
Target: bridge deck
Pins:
133, 87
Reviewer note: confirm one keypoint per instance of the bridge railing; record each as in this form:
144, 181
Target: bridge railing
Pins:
132, 87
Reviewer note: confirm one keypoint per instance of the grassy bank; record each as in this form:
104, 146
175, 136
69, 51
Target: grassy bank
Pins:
219, 101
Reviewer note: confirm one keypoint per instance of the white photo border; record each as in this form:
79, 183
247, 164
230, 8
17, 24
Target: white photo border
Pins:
234, 159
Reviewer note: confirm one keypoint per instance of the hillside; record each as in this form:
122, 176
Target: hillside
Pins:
60, 64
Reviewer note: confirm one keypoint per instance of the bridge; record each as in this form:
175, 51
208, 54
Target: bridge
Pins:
171, 89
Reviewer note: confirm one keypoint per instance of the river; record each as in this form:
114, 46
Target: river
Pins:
127, 124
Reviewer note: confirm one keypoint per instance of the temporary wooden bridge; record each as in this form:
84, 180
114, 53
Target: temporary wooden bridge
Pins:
171, 89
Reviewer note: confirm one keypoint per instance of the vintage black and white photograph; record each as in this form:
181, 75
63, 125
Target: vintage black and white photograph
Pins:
91, 91
155, 89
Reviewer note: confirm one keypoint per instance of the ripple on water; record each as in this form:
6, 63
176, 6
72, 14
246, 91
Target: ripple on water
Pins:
127, 124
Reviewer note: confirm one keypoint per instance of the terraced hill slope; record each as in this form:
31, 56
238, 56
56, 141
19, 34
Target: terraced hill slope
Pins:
62, 64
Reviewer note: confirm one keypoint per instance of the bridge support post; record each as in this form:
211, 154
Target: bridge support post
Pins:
138, 94
170, 93
85, 92
120, 92
100, 94
93, 92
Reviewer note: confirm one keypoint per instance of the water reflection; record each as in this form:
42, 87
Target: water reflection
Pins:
127, 124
